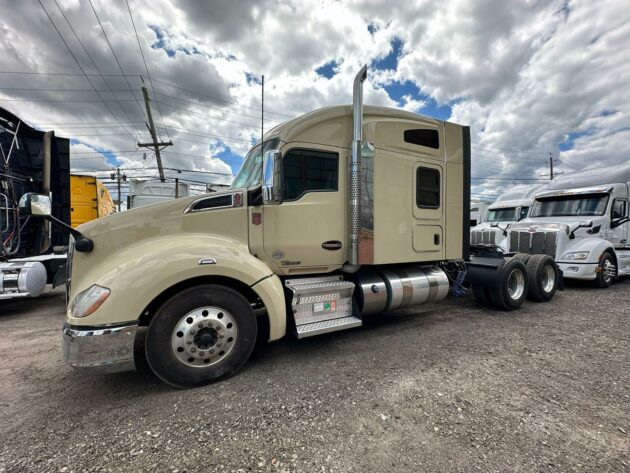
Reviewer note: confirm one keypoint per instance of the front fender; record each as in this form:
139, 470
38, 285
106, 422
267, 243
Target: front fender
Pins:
138, 273
595, 247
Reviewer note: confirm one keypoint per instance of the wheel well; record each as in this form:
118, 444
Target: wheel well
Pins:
614, 257
160, 299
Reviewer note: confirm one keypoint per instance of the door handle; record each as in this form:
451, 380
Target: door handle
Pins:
436, 239
331, 245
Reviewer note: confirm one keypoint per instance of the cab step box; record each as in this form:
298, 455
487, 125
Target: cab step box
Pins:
321, 305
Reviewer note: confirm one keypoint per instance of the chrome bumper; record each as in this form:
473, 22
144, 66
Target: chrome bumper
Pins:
108, 349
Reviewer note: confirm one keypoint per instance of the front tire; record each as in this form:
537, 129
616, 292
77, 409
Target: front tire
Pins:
201, 335
606, 270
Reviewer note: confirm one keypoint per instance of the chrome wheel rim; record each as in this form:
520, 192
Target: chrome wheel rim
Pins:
516, 284
609, 270
204, 337
548, 278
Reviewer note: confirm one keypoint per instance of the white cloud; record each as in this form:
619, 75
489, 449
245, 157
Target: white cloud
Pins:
525, 75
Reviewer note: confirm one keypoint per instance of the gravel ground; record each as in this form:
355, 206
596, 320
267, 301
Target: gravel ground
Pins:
449, 387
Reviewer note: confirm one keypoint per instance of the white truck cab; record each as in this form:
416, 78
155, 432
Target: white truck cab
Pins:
582, 221
511, 207
478, 211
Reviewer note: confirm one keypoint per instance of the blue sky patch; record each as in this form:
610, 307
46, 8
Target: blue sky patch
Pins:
569, 142
390, 62
252, 78
328, 70
160, 42
235, 161
372, 28
397, 90
110, 157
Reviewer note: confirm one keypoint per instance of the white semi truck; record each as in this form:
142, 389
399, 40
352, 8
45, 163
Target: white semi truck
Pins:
581, 220
510, 207
478, 211
338, 214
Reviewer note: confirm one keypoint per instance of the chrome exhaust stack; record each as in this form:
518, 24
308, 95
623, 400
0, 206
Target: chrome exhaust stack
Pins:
354, 185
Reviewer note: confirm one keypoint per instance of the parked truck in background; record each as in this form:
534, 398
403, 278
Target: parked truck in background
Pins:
478, 211
581, 220
142, 192
510, 207
32, 250
336, 215
89, 200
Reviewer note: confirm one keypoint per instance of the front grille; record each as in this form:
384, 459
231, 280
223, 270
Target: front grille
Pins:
544, 243
483, 237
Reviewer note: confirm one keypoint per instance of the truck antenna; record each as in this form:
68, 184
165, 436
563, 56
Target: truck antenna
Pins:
262, 117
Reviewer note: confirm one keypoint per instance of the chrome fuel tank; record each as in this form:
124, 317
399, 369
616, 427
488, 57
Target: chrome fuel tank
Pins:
399, 287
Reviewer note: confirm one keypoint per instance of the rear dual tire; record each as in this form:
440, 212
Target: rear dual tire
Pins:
511, 290
543, 277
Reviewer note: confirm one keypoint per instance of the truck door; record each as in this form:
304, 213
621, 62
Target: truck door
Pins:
307, 230
618, 210
428, 237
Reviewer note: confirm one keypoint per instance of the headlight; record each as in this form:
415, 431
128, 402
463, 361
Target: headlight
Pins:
89, 300
578, 255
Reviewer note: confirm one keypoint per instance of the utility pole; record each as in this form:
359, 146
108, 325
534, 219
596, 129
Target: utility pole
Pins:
262, 116
117, 176
551, 173
155, 144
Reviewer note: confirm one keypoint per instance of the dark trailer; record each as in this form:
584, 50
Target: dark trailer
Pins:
31, 249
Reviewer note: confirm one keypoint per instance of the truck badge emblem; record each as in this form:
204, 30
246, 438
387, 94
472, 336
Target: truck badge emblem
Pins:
277, 254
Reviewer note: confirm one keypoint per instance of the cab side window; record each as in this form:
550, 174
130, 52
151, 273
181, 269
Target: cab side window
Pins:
523, 213
428, 188
309, 171
619, 209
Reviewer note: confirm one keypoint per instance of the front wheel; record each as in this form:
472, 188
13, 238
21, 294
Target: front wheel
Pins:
606, 270
201, 335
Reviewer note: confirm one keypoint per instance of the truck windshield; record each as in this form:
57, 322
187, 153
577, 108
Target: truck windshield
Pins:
570, 205
502, 215
250, 173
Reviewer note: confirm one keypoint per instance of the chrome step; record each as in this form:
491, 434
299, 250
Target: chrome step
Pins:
325, 326
322, 305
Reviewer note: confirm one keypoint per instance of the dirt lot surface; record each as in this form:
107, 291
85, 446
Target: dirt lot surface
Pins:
449, 387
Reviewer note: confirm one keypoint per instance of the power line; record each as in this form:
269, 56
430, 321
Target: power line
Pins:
112, 50
92, 61
77, 61
206, 115
207, 106
506, 179
67, 74
220, 99
145, 66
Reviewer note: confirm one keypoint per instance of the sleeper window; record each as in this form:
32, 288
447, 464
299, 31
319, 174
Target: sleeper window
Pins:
427, 188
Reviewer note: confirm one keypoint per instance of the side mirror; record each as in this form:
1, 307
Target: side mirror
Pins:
272, 177
35, 205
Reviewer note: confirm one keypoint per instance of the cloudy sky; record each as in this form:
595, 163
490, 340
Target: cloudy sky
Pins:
529, 77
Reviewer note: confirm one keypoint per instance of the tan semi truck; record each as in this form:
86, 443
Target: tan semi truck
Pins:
338, 214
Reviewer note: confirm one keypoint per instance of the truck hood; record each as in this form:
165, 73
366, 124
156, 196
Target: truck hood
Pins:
167, 218
564, 224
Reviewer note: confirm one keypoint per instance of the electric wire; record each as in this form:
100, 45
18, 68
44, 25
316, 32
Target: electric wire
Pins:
79, 64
